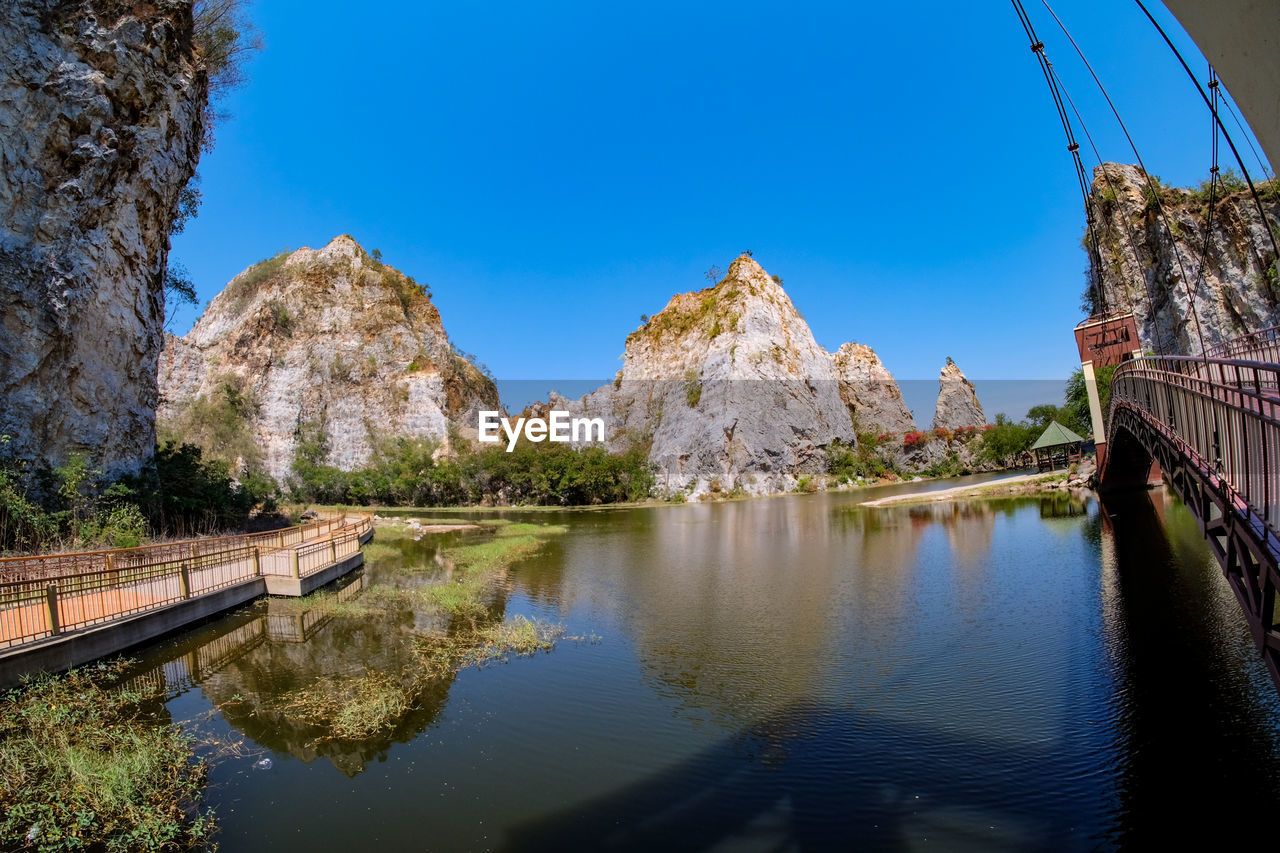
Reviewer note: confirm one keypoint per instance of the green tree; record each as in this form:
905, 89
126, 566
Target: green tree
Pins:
1076, 411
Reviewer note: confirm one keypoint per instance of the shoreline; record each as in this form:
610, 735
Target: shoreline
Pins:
392, 512
1010, 486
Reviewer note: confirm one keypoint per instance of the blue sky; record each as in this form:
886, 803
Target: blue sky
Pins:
556, 170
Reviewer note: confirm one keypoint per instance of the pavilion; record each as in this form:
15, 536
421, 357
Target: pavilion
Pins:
1057, 447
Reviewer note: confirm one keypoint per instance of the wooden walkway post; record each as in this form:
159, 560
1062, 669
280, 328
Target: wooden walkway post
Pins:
51, 608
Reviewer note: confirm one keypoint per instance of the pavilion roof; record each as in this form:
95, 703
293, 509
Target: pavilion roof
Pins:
1055, 435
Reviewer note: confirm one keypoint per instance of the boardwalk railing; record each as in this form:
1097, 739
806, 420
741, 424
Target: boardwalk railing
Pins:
48, 595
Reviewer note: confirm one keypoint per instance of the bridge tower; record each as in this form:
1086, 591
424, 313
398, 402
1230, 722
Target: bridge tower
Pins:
1104, 340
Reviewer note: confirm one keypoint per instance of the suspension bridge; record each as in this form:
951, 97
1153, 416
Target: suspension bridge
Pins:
1211, 424
1207, 424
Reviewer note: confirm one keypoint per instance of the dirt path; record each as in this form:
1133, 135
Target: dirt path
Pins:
984, 489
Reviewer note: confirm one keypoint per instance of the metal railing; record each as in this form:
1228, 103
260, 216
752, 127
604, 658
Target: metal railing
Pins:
1223, 413
48, 595
1262, 345
79, 562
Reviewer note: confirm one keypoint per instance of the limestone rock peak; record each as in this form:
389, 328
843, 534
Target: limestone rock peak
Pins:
957, 404
101, 114
325, 351
1160, 273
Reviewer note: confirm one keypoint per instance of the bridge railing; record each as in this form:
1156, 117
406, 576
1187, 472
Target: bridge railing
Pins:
1262, 345
1225, 411
48, 595
80, 562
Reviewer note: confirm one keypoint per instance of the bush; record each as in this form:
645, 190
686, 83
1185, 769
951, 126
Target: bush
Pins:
184, 494
1005, 440
845, 462
404, 473
915, 439
692, 388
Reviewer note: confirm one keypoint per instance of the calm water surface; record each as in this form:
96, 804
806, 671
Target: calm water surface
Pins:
794, 673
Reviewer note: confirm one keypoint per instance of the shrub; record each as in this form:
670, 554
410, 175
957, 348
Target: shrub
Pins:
404, 473
845, 462
88, 764
241, 288
692, 388
915, 439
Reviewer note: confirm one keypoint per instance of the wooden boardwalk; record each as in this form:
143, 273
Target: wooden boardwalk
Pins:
59, 610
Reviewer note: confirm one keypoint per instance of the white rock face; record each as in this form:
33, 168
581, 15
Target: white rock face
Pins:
1146, 271
730, 389
871, 392
957, 404
100, 113
330, 343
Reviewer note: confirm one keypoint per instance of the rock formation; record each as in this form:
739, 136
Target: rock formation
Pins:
957, 404
329, 348
730, 390
871, 393
1145, 269
101, 109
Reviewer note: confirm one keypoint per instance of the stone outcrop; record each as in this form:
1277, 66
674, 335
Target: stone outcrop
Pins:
101, 109
729, 389
1145, 269
957, 404
870, 391
327, 347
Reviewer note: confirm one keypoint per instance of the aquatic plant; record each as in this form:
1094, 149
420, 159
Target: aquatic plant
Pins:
87, 762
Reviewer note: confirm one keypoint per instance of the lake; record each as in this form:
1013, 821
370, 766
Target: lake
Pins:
792, 673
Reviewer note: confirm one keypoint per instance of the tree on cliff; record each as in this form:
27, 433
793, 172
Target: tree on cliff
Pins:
226, 39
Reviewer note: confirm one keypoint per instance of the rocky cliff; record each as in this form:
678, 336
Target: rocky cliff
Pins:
1146, 269
870, 391
100, 103
957, 405
730, 390
326, 351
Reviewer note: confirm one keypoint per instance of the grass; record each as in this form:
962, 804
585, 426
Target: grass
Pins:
360, 707
381, 550
352, 708
440, 656
88, 764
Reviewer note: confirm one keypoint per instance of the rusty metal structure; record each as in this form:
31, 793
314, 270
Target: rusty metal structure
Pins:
1212, 422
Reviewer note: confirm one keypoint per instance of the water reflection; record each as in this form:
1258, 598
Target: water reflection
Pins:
794, 673
1196, 716
246, 663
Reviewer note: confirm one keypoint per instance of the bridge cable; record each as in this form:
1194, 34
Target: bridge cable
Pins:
1257, 201
1133, 238
1151, 188
1262, 164
1037, 47
1214, 179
